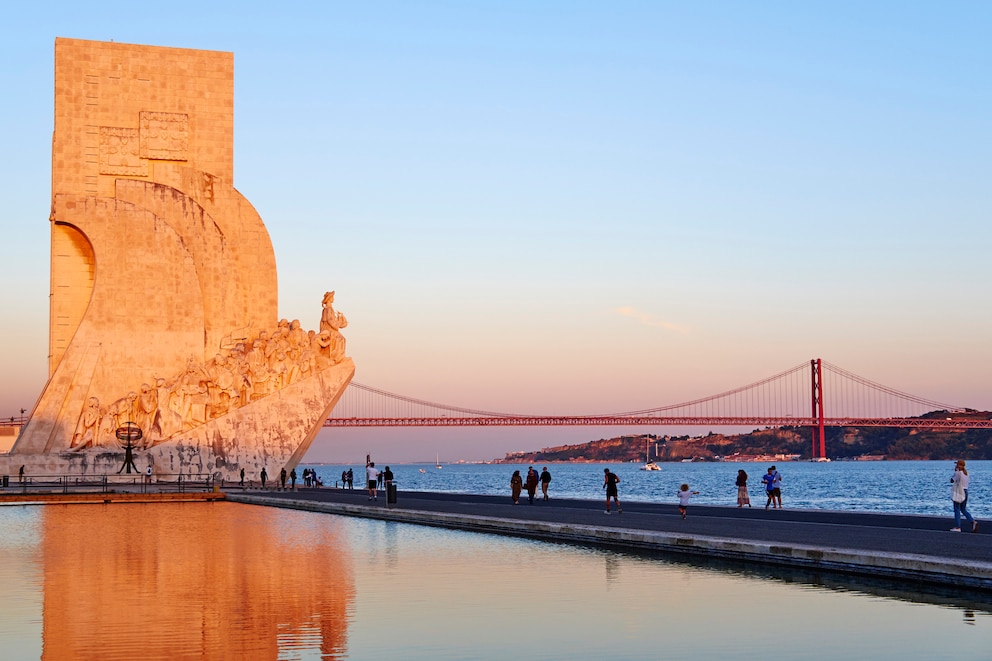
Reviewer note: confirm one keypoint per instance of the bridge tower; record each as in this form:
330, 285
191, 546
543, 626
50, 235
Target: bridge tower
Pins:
819, 448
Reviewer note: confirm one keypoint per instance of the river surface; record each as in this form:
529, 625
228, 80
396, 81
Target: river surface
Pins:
228, 581
909, 487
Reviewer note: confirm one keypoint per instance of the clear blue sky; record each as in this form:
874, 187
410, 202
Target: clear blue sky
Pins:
576, 207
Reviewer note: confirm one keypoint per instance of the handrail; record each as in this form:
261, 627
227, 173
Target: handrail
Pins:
107, 483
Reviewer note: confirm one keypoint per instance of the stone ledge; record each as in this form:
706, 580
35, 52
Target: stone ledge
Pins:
901, 566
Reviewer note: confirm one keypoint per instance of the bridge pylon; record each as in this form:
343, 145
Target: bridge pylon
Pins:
819, 446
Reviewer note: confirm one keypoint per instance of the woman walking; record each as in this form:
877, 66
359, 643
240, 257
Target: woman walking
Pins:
959, 494
516, 484
742, 497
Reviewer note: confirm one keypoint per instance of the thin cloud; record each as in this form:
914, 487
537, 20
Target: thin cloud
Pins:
646, 319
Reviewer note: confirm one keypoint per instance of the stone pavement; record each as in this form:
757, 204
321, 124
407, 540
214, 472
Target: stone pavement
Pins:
918, 549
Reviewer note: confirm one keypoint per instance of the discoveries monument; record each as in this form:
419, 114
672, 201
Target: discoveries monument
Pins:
163, 284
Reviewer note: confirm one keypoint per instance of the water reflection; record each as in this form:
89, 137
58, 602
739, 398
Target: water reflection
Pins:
194, 580
219, 581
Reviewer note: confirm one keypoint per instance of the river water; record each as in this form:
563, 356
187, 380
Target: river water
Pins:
228, 581
909, 487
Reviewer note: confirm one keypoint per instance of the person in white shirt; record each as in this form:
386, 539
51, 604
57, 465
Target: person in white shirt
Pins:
373, 477
959, 494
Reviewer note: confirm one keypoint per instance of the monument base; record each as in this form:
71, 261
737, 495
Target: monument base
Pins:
273, 433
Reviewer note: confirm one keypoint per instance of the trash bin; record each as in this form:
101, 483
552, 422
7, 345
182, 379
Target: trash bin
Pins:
391, 493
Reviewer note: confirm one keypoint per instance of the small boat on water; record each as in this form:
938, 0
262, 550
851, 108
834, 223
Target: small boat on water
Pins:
422, 470
437, 461
648, 464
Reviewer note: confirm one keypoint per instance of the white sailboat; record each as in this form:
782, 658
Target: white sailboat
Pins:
648, 464
437, 461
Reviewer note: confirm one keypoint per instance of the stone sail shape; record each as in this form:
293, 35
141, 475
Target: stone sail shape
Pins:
164, 289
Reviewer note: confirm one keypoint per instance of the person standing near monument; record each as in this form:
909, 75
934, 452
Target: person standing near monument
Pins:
263, 476
242, 483
373, 480
545, 481
292, 478
282, 479
351, 479
148, 474
610, 481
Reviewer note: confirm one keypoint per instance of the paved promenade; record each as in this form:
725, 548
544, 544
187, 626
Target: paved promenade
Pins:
918, 549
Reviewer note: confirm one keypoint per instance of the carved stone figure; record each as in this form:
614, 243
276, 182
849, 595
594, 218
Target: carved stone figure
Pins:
120, 412
146, 414
88, 426
170, 420
333, 322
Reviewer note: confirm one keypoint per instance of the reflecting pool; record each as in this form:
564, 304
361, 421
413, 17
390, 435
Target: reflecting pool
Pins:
229, 581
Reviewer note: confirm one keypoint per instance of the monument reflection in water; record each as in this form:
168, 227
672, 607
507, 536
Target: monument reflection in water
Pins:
228, 581
183, 581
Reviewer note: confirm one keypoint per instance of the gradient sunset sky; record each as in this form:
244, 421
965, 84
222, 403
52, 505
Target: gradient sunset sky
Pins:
575, 207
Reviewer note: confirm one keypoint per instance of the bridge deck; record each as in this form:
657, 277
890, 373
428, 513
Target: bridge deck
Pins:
917, 549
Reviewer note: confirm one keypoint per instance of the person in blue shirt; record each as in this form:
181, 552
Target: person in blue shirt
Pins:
773, 488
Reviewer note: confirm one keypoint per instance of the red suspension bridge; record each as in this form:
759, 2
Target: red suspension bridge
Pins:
797, 397
814, 394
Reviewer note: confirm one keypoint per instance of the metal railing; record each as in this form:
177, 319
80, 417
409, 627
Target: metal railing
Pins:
108, 483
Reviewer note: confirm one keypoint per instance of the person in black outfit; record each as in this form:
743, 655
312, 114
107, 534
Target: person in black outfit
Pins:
545, 481
263, 476
610, 481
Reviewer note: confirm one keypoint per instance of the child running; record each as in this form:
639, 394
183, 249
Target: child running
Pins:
684, 495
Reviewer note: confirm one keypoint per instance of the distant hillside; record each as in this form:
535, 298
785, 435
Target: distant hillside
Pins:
841, 443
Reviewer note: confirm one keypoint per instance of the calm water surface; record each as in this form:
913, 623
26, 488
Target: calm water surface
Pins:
910, 487
228, 581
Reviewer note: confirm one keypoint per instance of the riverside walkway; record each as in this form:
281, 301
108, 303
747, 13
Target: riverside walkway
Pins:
917, 549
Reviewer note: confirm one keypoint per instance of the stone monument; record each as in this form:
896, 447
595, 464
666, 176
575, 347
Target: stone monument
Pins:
163, 283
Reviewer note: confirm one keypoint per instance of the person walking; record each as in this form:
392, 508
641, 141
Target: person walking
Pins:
742, 496
773, 488
610, 481
372, 474
292, 478
531, 484
959, 495
777, 486
263, 476
545, 481
242, 483
516, 485
684, 495
282, 478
